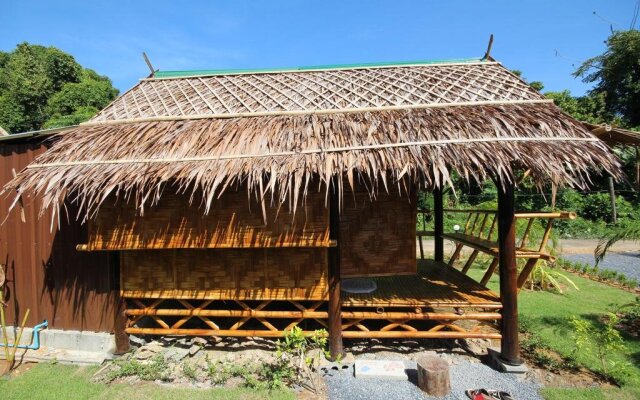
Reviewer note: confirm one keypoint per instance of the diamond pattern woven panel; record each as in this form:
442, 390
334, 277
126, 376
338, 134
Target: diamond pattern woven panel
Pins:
319, 90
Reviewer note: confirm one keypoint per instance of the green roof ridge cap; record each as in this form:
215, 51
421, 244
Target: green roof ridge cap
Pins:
204, 72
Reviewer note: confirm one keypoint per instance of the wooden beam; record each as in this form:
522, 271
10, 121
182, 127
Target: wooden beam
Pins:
438, 221
361, 315
334, 279
121, 320
612, 195
637, 167
348, 334
509, 345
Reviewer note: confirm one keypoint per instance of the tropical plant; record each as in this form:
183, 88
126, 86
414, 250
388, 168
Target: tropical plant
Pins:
629, 233
545, 277
294, 361
10, 349
599, 340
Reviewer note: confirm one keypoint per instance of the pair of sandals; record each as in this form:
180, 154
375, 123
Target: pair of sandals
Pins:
484, 394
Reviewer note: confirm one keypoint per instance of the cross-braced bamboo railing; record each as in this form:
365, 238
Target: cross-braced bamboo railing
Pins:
479, 234
271, 318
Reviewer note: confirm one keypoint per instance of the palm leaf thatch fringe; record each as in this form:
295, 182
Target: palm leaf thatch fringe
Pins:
91, 163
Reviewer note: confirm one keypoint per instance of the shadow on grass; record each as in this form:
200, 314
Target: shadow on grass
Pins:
635, 358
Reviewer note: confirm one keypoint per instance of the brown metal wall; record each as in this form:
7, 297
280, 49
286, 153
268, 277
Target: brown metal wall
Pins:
72, 290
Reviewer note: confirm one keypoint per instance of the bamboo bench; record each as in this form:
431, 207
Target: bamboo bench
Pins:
478, 234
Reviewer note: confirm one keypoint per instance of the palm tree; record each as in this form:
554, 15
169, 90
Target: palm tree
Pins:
632, 233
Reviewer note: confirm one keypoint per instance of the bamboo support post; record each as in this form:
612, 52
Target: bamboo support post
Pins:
438, 221
510, 345
490, 271
526, 271
612, 195
470, 261
335, 301
525, 235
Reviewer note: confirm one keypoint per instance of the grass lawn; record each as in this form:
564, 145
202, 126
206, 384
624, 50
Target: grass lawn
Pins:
546, 316
48, 381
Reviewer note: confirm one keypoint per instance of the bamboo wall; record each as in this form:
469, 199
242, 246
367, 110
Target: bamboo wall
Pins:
243, 274
378, 237
174, 252
232, 222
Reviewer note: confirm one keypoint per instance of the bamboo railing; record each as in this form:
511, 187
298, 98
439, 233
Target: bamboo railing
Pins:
478, 233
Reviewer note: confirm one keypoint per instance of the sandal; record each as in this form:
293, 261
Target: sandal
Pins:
478, 394
500, 395
484, 394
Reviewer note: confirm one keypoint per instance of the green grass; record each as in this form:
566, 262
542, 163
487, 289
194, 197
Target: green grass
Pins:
546, 315
590, 394
49, 381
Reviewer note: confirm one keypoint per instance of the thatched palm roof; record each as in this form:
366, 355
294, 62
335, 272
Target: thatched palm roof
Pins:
615, 136
277, 131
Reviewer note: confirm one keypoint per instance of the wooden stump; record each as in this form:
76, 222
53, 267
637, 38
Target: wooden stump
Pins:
433, 376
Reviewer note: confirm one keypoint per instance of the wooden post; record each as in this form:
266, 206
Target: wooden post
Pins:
335, 300
433, 376
612, 194
121, 319
637, 168
510, 345
438, 222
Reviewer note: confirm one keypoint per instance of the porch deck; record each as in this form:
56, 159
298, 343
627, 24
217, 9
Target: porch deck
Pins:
436, 285
437, 302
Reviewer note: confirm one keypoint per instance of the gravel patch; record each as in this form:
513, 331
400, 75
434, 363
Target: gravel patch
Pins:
465, 375
627, 263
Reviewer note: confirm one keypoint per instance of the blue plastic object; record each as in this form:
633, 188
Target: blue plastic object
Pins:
35, 340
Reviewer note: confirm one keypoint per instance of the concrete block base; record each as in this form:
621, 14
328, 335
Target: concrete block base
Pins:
497, 363
77, 347
380, 369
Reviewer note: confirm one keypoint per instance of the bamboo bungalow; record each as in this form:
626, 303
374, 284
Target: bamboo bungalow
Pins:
238, 201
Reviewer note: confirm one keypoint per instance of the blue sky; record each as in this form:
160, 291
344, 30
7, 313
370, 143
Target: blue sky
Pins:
110, 36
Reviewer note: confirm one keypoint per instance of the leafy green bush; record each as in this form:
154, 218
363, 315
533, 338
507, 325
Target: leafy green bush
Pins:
155, 369
600, 340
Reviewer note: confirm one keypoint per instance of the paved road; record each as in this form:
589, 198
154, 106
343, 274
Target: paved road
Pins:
623, 257
627, 263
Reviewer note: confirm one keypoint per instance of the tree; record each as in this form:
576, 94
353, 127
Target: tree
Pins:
44, 87
590, 108
616, 74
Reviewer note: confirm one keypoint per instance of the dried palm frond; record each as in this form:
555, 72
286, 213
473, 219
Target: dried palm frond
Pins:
278, 156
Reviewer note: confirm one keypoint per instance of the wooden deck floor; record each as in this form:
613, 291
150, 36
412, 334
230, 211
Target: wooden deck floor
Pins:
435, 285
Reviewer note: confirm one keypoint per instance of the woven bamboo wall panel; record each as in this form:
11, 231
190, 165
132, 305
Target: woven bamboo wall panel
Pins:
231, 223
378, 237
228, 274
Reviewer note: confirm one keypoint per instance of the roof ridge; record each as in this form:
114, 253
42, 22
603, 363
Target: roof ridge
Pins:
179, 74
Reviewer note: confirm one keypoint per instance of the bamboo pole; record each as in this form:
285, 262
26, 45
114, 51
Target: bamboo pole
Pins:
314, 112
438, 222
521, 215
509, 345
334, 278
313, 314
85, 247
420, 335
612, 195
311, 151
637, 167
346, 334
